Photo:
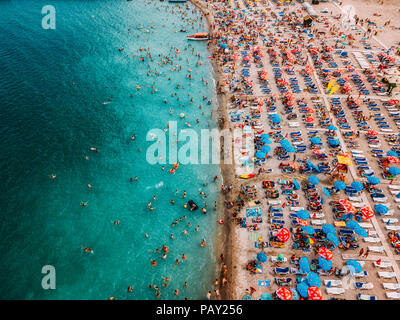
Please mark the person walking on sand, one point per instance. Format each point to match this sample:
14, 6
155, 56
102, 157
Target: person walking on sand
366, 254
361, 252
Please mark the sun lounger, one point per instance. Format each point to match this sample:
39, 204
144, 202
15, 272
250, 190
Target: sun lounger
318, 222
386, 275
390, 220
363, 285
393, 295
295, 209
332, 283
366, 297
334, 290
281, 270
274, 202
275, 259
391, 286
383, 264
366, 225
372, 240
355, 199
392, 228
394, 187
361, 274
378, 249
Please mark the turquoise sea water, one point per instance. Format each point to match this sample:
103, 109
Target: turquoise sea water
52, 87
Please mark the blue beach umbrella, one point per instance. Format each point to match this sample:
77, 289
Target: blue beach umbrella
304, 265
332, 128
392, 153
302, 214
297, 185
394, 171
351, 224
340, 185
313, 279
332, 238
328, 228
398, 195
266, 141
357, 185
326, 191
265, 149
309, 230
266, 296
290, 149
315, 140
325, 265
264, 136
334, 142
381, 209
373, 180
313, 180
361, 232
355, 265
262, 257
260, 155
276, 119
302, 289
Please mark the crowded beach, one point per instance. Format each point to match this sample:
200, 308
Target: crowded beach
315, 199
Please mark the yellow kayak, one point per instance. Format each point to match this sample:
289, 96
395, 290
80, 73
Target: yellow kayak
247, 176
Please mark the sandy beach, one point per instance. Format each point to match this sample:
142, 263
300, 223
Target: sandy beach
239, 244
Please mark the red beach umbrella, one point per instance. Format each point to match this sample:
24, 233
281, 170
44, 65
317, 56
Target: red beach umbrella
392, 159
326, 253
393, 102
283, 235
372, 132
284, 293
367, 213
302, 222
314, 293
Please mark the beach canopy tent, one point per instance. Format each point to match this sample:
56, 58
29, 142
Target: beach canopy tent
373, 180
276, 119
325, 265
313, 279
304, 265
302, 214
302, 289
339, 185
354, 266
262, 257
313, 180
357, 185
325, 253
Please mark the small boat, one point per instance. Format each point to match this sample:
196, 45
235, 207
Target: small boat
247, 176
199, 36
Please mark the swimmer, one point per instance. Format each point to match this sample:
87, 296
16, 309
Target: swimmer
146, 235
172, 236
153, 263
88, 250
184, 194
130, 288
176, 292
183, 256
53, 176
116, 223
185, 205
172, 202
164, 256
185, 232
89, 185
197, 228
84, 204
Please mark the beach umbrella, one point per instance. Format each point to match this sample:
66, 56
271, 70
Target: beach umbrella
315, 140
332, 238
283, 235
302, 289
314, 293
302, 222
381, 209
296, 185
260, 155
357, 185
339, 185
313, 279
304, 265
325, 265
351, 224
392, 153
392, 159
295, 294
326, 253
372, 132
265, 149
326, 191
313, 180
262, 257
394, 171
265, 136
266, 296
332, 128
280, 257
302, 214
309, 239
398, 195
276, 119
334, 142
367, 213
373, 180
284, 293
355, 265
361, 232
328, 228
309, 230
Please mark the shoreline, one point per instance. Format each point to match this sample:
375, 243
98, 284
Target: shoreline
225, 235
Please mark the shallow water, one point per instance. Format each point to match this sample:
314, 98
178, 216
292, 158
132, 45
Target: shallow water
52, 88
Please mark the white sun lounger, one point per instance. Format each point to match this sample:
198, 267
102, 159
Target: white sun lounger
378, 249
387, 130
316, 222
396, 200
392, 228
295, 209
333, 283
389, 213
392, 220
273, 202
372, 240
334, 290
386, 275
275, 259
357, 151
365, 286
366, 225
361, 274
372, 232
358, 204
294, 124
393, 295
394, 187
356, 199
366, 297
383, 264
391, 286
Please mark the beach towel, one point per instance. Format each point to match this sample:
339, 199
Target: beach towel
264, 283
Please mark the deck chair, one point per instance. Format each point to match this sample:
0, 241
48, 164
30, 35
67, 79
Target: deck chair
372, 240
391, 286
378, 249
383, 264
366, 297
386, 275
334, 290
393, 295
363, 285
332, 283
